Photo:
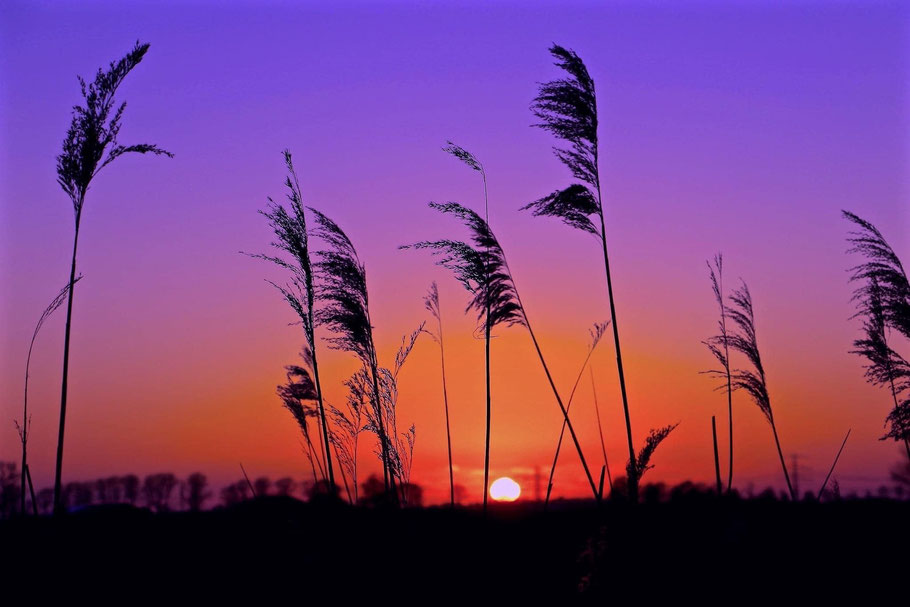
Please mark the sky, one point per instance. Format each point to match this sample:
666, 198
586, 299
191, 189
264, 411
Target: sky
741, 128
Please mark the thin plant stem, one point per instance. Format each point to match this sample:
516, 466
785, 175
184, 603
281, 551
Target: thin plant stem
716, 458
563, 429
833, 464
600, 430
252, 489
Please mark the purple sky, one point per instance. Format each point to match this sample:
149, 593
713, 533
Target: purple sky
736, 127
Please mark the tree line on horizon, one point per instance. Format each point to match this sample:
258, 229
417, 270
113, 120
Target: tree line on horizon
166, 492
326, 287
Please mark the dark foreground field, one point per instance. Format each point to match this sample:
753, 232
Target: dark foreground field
703, 549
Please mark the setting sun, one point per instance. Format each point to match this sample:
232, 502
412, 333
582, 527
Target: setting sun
505, 490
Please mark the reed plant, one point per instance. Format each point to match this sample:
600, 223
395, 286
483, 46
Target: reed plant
91, 143
753, 381
25, 427
431, 303
719, 346
342, 287
596, 333
567, 108
882, 299
292, 241
481, 267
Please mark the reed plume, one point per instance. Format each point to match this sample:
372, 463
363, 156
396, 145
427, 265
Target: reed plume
90, 145
487, 289
298, 396
752, 381
400, 447
431, 303
349, 424
25, 427
567, 108
719, 346
292, 240
596, 333
883, 301
881, 265
342, 287
482, 269
643, 461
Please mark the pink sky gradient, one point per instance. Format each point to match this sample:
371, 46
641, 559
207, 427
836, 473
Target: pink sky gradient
740, 128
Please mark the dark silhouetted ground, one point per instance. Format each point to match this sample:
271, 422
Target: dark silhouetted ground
699, 548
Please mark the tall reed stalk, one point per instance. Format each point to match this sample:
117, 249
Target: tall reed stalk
26, 425
753, 381
482, 269
567, 108
596, 333
882, 299
719, 345
833, 464
600, 431
488, 319
89, 146
431, 302
292, 239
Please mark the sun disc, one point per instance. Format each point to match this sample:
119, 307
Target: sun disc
505, 490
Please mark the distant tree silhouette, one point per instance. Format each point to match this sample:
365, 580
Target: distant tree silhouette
285, 486
372, 492
78, 495
157, 489
46, 500
414, 493
9, 488
323, 492
262, 486
89, 146
900, 476
194, 492
130, 484
235, 493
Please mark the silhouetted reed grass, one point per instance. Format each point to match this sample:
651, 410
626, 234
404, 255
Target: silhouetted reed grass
596, 333
90, 145
882, 299
431, 303
25, 427
752, 381
482, 269
567, 108
719, 346
292, 239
